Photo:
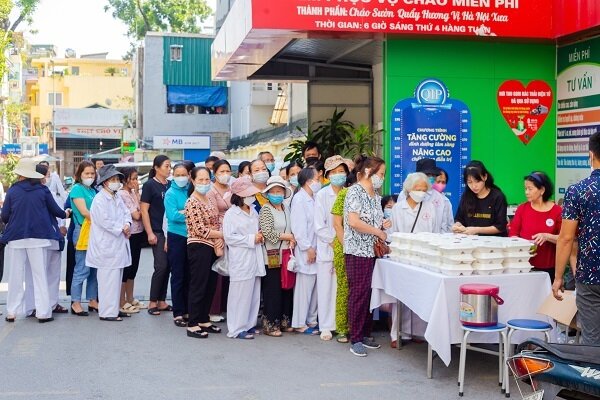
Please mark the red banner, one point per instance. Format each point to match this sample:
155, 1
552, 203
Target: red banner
502, 18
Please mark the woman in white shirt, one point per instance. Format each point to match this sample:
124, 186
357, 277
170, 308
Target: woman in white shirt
304, 318
246, 263
336, 170
412, 214
108, 248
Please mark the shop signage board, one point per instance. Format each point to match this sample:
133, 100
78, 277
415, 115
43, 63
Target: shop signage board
430, 125
525, 108
105, 132
578, 110
502, 18
182, 142
11, 148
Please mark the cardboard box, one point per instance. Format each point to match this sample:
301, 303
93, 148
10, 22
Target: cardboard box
564, 311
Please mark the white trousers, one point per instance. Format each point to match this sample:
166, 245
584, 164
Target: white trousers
326, 292
305, 301
243, 303
17, 260
412, 325
109, 291
53, 259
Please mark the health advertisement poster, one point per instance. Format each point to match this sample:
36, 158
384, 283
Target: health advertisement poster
431, 125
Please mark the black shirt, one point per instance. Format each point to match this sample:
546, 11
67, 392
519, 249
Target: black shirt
153, 193
489, 211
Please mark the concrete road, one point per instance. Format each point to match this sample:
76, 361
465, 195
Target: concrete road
146, 357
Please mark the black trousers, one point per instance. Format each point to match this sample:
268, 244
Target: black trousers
135, 244
160, 277
180, 279
277, 303
203, 282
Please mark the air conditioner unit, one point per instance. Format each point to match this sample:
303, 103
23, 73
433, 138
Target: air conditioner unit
191, 109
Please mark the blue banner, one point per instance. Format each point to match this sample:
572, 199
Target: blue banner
431, 125
11, 148
204, 96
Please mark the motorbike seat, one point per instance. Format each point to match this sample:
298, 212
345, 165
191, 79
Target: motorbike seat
572, 352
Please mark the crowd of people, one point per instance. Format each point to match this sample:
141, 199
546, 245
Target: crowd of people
296, 246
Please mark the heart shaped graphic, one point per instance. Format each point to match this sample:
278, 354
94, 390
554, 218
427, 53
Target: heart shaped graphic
525, 108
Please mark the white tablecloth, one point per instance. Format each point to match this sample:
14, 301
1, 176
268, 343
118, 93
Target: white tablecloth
435, 298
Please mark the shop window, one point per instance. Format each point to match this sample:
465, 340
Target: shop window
55, 99
176, 52
176, 109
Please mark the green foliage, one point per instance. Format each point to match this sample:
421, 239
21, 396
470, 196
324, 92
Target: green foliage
25, 9
111, 71
332, 134
296, 146
142, 16
7, 176
361, 141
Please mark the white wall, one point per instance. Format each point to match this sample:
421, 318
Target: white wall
156, 119
298, 101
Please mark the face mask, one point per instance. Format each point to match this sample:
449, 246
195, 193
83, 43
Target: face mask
181, 181
337, 179
275, 199
376, 181
202, 189
87, 181
431, 180
260, 177
440, 187
223, 179
294, 180
212, 177
249, 201
417, 195
387, 213
170, 177
315, 187
115, 186
271, 166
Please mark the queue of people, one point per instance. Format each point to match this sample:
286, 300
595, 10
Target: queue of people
302, 239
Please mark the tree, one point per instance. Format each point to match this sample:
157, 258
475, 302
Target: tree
25, 9
7, 168
142, 16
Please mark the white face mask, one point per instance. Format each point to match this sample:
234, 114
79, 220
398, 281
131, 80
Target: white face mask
181, 181
115, 186
249, 201
315, 187
376, 181
223, 179
87, 181
417, 195
260, 177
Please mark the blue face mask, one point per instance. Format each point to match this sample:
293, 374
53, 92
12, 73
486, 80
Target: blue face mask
337, 179
270, 166
275, 199
181, 181
294, 180
202, 189
387, 213
431, 180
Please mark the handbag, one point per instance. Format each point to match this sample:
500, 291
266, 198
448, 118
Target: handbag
380, 248
84, 235
288, 278
274, 258
221, 264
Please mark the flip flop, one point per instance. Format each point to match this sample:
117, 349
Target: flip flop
245, 335
111, 319
60, 309
154, 311
168, 308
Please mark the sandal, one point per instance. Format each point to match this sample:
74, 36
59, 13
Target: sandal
180, 322
129, 309
273, 333
245, 335
198, 334
326, 335
167, 308
124, 315
154, 311
341, 338
9, 318
210, 328
139, 304
59, 309
253, 331
31, 314
111, 319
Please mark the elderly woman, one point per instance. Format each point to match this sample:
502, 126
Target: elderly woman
412, 215
30, 213
108, 248
275, 225
246, 263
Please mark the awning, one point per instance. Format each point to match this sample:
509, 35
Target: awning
203, 96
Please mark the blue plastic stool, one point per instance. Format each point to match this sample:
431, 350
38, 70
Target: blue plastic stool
502, 354
528, 325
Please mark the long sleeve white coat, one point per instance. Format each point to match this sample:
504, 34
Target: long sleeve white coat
108, 248
303, 228
245, 257
324, 230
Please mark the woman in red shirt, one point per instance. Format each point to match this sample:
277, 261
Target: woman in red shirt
539, 220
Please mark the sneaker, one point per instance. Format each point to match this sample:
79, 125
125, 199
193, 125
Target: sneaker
358, 349
369, 343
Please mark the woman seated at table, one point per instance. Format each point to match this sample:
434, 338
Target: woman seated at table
412, 215
539, 220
